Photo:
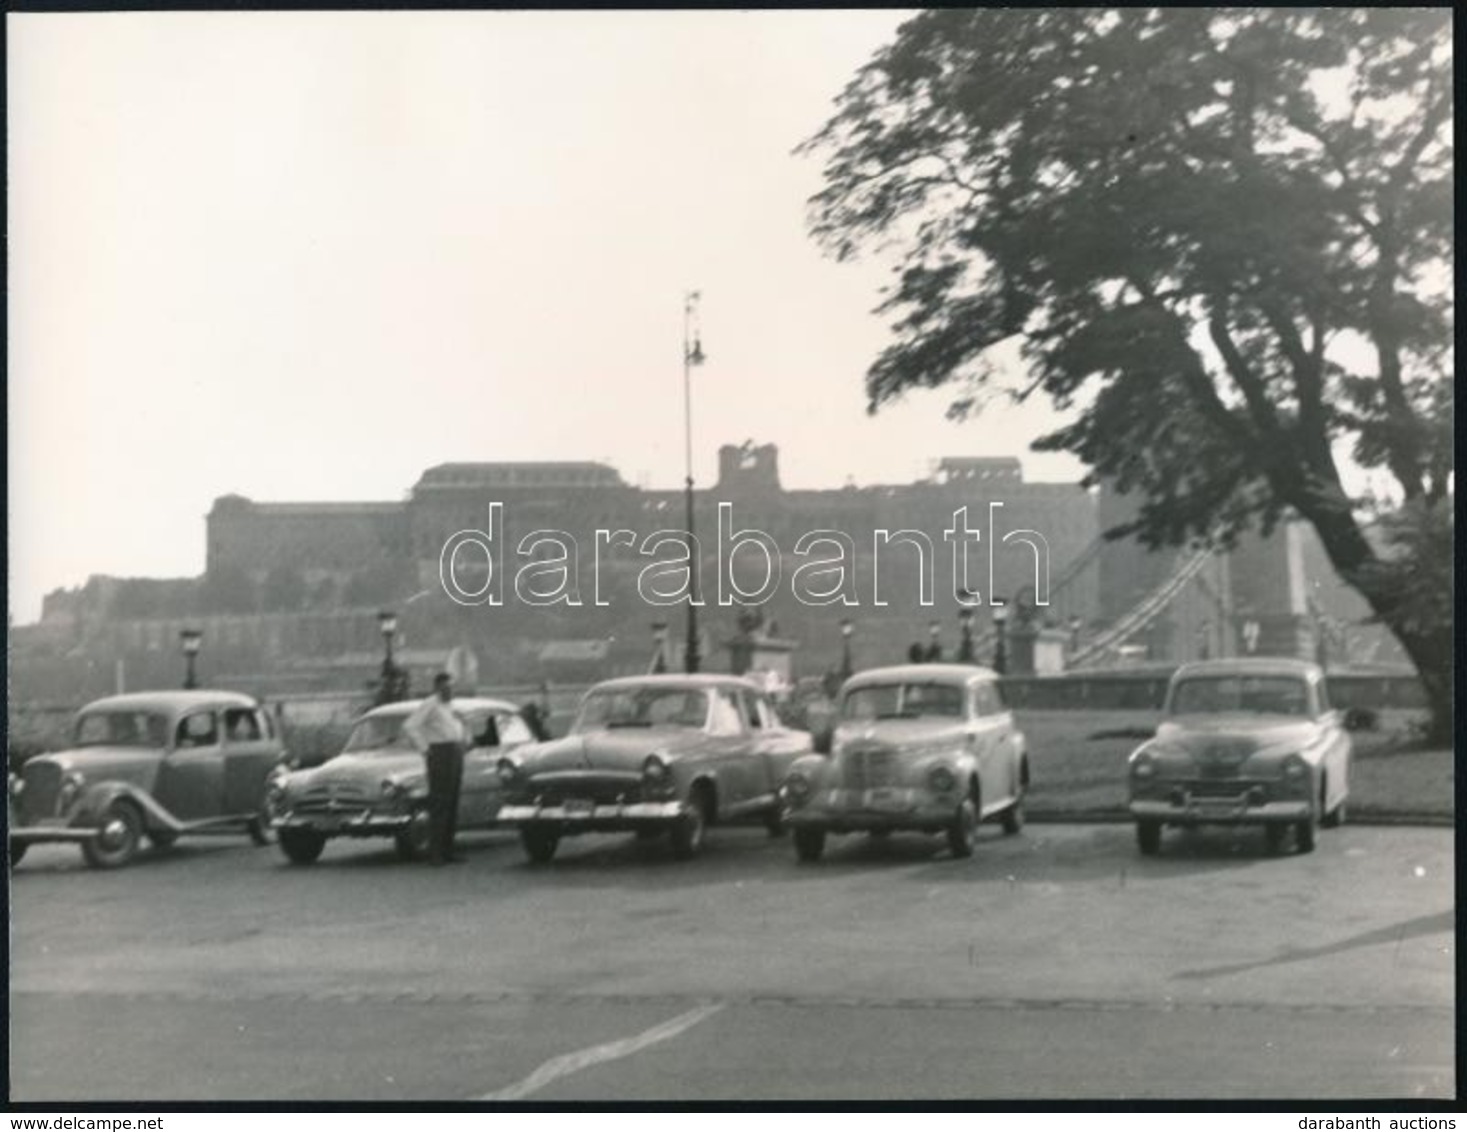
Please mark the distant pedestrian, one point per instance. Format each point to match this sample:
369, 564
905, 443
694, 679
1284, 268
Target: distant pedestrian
535, 720
436, 730
916, 654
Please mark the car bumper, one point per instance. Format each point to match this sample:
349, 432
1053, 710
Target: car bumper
36, 834
345, 825
842, 811
610, 818
1221, 811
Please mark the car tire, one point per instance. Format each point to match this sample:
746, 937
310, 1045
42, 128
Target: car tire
301, 846
162, 839
17, 852
1305, 832
540, 843
809, 843
1273, 838
1148, 837
1013, 817
413, 842
117, 843
689, 831
964, 829
774, 823
260, 830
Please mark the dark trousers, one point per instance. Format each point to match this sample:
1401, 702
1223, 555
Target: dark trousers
445, 775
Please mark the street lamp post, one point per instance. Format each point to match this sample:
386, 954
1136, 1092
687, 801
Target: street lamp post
965, 628
692, 356
659, 645
1000, 644
387, 623
191, 640
847, 627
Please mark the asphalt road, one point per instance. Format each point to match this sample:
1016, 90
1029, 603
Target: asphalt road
1055, 964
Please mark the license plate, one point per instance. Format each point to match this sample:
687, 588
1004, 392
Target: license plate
884, 799
578, 807
1226, 807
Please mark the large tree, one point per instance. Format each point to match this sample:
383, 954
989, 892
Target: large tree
1222, 239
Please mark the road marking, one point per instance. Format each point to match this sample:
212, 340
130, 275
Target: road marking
569, 1063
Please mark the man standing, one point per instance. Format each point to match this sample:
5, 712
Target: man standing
437, 731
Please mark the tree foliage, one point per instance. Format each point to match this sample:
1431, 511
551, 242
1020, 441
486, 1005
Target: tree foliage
1222, 237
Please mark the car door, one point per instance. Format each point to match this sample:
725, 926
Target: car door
191, 779
775, 745
1337, 744
249, 755
991, 742
729, 752
489, 733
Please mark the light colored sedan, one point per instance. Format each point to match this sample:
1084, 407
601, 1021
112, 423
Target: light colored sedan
1243, 741
926, 747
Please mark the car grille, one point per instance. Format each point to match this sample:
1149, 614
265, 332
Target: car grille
553, 789
335, 798
42, 785
1228, 788
867, 767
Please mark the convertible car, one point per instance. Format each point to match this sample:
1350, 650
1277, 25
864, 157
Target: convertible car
1244, 741
927, 747
654, 755
377, 786
150, 764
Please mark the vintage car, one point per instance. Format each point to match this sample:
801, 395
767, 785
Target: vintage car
377, 786
148, 764
927, 747
653, 755
1244, 741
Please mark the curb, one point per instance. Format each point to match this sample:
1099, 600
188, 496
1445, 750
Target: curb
1121, 817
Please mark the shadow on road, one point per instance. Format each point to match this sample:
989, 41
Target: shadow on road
1393, 933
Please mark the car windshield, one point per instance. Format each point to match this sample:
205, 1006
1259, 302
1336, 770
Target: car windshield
1262, 695
122, 729
378, 733
910, 700
643, 707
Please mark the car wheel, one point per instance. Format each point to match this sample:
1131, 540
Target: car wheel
809, 843
540, 843
117, 841
1013, 817
964, 829
1304, 833
1273, 837
261, 832
302, 846
1148, 837
689, 830
17, 851
412, 843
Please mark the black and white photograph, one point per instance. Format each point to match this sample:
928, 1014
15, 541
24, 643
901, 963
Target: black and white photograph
718, 558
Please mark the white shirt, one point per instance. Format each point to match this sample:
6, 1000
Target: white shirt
434, 721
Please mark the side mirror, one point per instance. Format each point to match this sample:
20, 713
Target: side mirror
1361, 719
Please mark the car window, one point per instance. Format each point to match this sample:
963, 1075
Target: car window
1262, 695
761, 715
725, 719
483, 730
985, 699
198, 729
121, 729
378, 733
241, 726
911, 700
1322, 691
643, 707
513, 729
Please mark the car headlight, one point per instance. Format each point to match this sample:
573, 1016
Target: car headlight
1295, 768
507, 769
1143, 766
16, 785
796, 788
392, 789
70, 787
655, 770
941, 779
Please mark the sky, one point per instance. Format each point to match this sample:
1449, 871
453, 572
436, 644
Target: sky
305, 256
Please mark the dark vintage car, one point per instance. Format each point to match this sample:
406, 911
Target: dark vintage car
653, 755
149, 764
1243, 741
377, 786
923, 747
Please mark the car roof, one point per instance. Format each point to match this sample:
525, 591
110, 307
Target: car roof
925, 673
172, 701
1249, 666
680, 680
461, 703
